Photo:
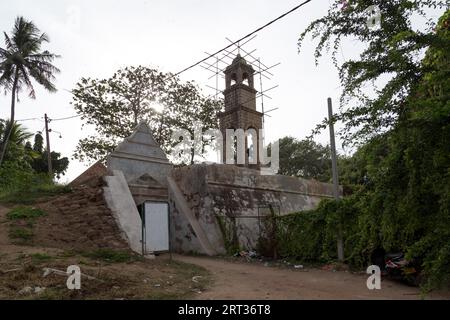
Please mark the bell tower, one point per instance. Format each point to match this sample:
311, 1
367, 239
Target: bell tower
240, 108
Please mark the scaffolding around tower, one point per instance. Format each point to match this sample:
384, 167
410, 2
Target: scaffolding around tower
217, 64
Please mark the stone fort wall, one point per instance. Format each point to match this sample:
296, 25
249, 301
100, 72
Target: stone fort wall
234, 196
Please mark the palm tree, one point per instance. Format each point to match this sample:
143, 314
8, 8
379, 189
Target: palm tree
18, 135
21, 61
17, 149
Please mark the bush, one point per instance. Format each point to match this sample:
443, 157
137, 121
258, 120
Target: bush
27, 187
311, 236
14, 175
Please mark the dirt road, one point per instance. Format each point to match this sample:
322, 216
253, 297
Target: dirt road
241, 280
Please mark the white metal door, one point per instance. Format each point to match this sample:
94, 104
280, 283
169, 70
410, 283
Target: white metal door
156, 226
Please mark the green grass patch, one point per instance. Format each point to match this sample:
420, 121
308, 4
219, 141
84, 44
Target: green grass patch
31, 196
21, 234
36, 187
25, 213
113, 256
40, 257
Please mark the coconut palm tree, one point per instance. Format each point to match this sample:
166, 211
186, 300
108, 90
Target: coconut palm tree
22, 60
18, 135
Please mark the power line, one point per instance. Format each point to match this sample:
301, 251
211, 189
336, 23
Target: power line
65, 118
50, 119
29, 119
245, 37
208, 57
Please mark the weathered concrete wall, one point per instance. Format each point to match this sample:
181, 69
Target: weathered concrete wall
209, 204
145, 188
187, 220
223, 195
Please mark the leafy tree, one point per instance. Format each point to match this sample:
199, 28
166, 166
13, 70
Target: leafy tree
40, 163
20, 61
38, 145
403, 169
304, 158
394, 51
115, 106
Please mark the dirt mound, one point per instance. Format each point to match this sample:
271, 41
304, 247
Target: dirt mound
41, 276
78, 220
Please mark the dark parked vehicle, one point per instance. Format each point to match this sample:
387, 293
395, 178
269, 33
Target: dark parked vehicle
395, 266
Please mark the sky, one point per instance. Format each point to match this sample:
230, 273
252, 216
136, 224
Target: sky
95, 38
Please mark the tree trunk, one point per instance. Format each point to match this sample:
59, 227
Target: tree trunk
9, 128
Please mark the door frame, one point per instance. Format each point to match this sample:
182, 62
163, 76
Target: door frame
143, 229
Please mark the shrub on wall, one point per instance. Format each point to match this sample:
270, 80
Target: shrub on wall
310, 236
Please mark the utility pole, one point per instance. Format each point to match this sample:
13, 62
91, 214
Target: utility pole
49, 156
340, 242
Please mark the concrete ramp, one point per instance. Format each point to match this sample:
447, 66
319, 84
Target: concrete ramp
123, 208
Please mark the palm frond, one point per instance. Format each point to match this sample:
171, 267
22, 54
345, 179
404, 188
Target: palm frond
19, 134
44, 56
23, 53
9, 43
26, 79
7, 71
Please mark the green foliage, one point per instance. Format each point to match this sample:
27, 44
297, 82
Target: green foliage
311, 236
14, 175
18, 229
16, 167
39, 162
390, 64
22, 234
227, 227
25, 213
310, 160
402, 203
401, 174
28, 187
18, 135
115, 106
20, 180
40, 257
304, 158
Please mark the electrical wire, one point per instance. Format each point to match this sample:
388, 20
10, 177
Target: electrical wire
244, 37
29, 119
66, 118
209, 56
